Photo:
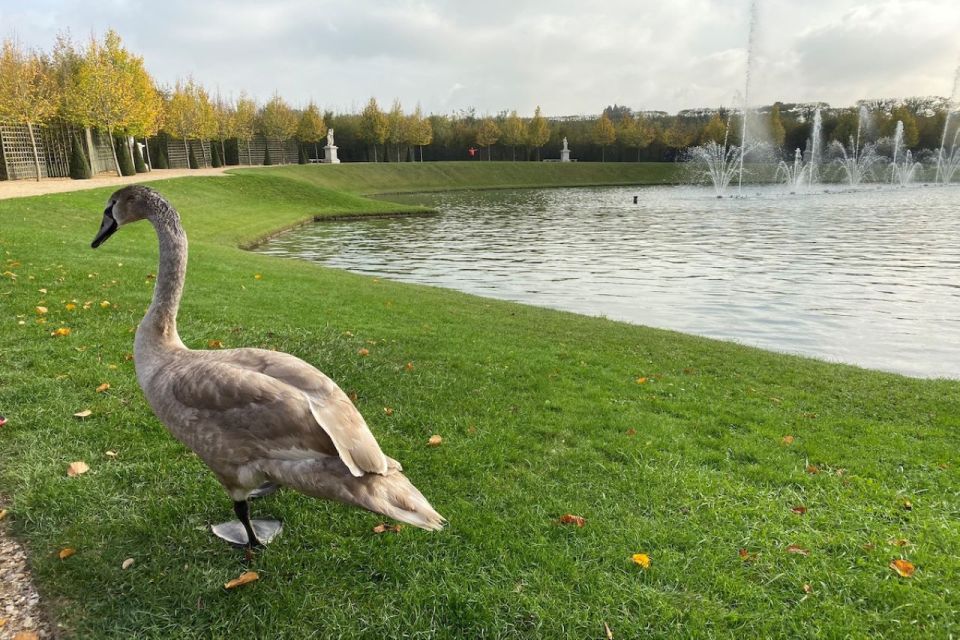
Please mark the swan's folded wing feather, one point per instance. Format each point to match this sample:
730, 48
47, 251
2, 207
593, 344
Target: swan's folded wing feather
328, 404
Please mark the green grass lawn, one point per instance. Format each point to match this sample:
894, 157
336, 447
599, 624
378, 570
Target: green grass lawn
542, 413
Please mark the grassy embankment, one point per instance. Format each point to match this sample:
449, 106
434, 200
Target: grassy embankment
542, 413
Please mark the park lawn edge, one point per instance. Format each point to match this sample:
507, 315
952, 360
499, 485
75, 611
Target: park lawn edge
549, 394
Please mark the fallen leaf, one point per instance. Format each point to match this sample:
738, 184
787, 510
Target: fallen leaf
127, 357
3, 514
642, 380
110, 454
26, 635
70, 306
641, 559
77, 468
812, 469
104, 304
799, 509
869, 546
606, 628
353, 397
898, 542
383, 527
62, 331
434, 441
408, 366
903, 568
83, 414
745, 555
631, 431
244, 578
214, 344
907, 505
3, 421
787, 439
807, 588
388, 411
363, 351
127, 564
103, 387
66, 552
42, 290
569, 518
257, 276
776, 400
41, 310
793, 548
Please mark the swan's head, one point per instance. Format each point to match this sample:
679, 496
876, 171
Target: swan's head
129, 204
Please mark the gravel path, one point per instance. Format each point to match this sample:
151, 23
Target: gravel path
20, 614
21, 188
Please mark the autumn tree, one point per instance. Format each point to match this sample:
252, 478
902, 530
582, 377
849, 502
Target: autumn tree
488, 134
277, 120
190, 114
223, 112
311, 128
538, 131
373, 126
911, 132
28, 91
419, 130
678, 136
514, 133
635, 132
604, 134
396, 126
714, 131
243, 124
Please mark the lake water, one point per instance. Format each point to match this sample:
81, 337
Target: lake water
867, 277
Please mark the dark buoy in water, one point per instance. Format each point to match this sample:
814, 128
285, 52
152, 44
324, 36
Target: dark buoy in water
635, 199
719, 197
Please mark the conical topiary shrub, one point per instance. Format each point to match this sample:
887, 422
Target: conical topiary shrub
303, 154
123, 157
138, 162
215, 159
160, 158
192, 159
79, 165
266, 156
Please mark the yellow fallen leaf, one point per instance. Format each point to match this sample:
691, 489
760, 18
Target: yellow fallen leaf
26, 635
70, 306
41, 310
903, 568
642, 380
787, 439
214, 344
83, 414
42, 290
907, 505
383, 527
569, 518
408, 366
127, 564
77, 468
434, 441
899, 542
103, 387
388, 411
606, 628
363, 351
3, 514
62, 331
257, 276
104, 304
807, 589
244, 578
641, 559
66, 552
110, 454
812, 469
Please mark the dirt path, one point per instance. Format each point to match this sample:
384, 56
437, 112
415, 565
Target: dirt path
20, 612
22, 188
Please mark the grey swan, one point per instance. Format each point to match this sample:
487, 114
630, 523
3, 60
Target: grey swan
254, 416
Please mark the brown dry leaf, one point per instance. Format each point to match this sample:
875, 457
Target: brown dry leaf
103, 387
631, 431
799, 509
77, 468
383, 527
569, 518
898, 542
807, 589
408, 366
110, 454
26, 635
363, 351
794, 548
641, 559
642, 380
745, 555
388, 411
812, 469
214, 344
3, 621
3, 514
62, 331
903, 568
787, 439
66, 552
83, 414
41, 310
434, 441
242, 579
127, 563
353, 397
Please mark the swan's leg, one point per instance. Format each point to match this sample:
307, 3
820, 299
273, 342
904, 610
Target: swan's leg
242, 509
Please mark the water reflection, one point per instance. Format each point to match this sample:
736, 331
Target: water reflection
867, 277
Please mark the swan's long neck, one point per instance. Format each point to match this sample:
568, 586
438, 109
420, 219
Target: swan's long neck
159, 325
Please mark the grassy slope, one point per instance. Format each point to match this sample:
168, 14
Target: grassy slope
431, 176
536, 408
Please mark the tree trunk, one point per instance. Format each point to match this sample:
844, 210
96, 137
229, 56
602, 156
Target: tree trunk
146, 145
603, 154
223, 152
94, 160
638, 154
36, 156
514, 153
374, 152
316, 151
186, 147
113, 148
421, 153
249, 157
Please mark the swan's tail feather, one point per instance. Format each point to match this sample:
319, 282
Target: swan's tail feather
392, 494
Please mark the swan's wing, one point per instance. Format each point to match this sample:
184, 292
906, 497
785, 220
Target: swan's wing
328, 404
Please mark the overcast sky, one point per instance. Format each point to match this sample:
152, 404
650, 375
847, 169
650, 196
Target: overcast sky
571, 57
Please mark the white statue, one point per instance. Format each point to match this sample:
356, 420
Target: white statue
329, 137
565, 144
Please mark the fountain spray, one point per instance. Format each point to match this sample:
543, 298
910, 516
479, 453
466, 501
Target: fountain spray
946, 122
751, 42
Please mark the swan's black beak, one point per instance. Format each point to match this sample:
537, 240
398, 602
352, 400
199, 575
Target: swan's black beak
107, 227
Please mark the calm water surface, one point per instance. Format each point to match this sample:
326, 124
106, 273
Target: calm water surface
869, 277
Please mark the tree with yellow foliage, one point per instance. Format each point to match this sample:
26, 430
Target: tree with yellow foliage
277, 120
373, 126
538, 131
488, 134
190, 113
604, 134
419, 130
244, 122
28, 91
311, 128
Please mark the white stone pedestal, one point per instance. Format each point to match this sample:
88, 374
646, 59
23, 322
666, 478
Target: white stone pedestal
330, 154
564, 155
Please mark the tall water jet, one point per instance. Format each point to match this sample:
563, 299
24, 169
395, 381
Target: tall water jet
856, 161
944, 159
719, 162
902, 168
795, 175
751, 44
814, 150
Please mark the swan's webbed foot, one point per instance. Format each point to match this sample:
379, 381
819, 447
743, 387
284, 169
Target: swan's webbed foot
244, 532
